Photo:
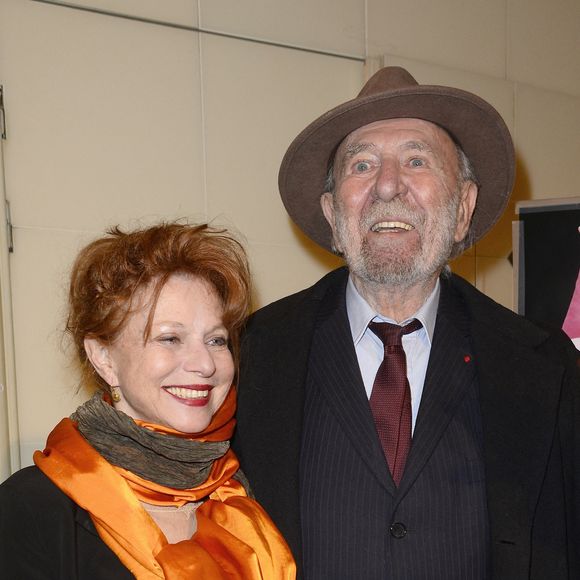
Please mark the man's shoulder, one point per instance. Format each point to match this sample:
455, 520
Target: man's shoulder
299, 304
496, 318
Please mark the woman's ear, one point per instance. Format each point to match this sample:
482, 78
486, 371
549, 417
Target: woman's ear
100, 357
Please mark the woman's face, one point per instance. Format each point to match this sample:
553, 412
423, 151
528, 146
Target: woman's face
181, 375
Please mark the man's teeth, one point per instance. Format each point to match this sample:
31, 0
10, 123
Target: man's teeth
187, 393
384, 226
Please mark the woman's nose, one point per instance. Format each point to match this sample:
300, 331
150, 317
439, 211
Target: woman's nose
199, 360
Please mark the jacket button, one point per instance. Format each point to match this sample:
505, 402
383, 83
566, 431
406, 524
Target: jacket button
398, 530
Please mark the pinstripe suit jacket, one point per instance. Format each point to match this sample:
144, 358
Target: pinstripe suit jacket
528, 394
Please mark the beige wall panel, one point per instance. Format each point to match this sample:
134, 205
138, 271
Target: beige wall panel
100, 132
257, 99
455, 33
279, 270
182, 12
332, 25
544, 43
494, 277
548, 140
45, 378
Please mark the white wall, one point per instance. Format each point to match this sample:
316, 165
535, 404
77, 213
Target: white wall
117, 120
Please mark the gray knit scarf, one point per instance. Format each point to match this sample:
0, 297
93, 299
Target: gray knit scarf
170, 461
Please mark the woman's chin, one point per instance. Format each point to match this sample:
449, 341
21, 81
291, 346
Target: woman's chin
188, 425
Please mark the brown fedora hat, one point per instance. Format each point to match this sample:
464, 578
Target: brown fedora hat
393, 93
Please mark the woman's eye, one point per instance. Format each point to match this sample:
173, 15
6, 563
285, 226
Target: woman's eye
169, 339
218, 341
417, 162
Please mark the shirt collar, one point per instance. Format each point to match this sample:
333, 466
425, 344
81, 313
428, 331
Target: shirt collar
360, 313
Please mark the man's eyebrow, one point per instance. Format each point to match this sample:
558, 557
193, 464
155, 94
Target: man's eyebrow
417, 146
355, 148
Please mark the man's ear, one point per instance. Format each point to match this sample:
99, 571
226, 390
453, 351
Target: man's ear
465, 209
100, 357
327, 205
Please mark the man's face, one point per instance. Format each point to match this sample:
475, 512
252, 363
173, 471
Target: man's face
398, 206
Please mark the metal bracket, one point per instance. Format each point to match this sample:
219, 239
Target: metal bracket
9, 236
2, 114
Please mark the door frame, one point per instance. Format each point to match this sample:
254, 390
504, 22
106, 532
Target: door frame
9, 433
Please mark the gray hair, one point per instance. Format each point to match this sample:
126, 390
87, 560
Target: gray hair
466, 173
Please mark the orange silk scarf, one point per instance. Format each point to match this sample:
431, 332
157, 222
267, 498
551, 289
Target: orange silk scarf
235, 538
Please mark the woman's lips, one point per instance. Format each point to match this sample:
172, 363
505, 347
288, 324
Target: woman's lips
193, 395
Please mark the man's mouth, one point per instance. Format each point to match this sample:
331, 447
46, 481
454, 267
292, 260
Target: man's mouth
381, 227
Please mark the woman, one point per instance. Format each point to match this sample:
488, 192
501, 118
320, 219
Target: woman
140, 480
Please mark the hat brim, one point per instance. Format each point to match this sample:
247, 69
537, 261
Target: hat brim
471, 121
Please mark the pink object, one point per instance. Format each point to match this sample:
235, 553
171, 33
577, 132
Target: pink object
571, 324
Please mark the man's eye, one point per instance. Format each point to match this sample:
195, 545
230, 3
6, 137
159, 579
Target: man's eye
417, 162
362, 166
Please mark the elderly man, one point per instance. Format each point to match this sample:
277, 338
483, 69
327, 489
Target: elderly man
395, 422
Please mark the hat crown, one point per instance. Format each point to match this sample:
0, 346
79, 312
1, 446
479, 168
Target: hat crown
387, 79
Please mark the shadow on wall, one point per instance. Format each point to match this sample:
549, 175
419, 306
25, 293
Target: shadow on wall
497, 244
317, 263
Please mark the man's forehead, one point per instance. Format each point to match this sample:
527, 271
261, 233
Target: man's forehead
388, 126
368, 135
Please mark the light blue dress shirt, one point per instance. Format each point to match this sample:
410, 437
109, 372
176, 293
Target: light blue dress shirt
369, 348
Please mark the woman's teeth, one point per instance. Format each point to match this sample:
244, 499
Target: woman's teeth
183, 393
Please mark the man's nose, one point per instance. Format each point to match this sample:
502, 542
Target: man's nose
389, 182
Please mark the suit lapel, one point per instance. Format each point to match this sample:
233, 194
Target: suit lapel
335, 370
450, 373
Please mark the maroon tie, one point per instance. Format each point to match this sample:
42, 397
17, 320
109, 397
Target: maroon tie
391, 396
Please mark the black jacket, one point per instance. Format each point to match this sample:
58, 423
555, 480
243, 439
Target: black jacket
529, 398
46, 536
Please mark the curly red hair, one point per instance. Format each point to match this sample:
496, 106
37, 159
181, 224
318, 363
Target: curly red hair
108, 273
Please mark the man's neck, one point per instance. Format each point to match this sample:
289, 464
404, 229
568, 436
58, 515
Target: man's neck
395, 302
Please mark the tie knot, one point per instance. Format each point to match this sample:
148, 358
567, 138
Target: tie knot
390, 334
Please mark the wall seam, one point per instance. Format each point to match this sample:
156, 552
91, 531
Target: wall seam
201, 30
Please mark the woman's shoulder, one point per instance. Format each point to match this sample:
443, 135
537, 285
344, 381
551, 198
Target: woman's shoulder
31, 482
45, 535
30, 491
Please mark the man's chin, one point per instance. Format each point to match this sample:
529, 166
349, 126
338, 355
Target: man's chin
389, 273
396, 271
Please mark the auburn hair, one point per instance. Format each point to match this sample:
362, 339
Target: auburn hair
108, 274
